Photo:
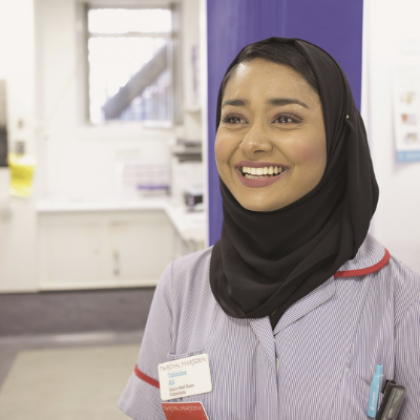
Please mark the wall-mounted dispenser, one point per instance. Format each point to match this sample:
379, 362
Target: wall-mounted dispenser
4, 170
21, 164
3, 125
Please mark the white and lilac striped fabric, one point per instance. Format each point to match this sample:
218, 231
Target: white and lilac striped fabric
318, 362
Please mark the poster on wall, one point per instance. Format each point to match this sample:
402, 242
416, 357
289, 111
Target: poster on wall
407, 112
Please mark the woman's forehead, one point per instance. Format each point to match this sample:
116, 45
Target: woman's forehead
261, 77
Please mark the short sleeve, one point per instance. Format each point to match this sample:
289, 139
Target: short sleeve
407, 363
141, 397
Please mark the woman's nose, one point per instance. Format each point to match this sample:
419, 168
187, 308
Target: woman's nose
256, 140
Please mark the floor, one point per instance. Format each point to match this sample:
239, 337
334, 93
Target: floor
74, 312
68, 355
63, 377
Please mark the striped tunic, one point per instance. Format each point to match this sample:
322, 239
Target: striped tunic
318, 362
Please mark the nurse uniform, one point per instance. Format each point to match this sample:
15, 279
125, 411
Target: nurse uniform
316, 364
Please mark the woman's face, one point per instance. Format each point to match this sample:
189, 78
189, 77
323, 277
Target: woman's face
270, 145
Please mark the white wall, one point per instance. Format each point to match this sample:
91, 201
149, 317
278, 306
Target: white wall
18, 229
397, 220
190, 39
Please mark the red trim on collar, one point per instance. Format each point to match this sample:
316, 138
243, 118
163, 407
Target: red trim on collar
367, 270
146, 378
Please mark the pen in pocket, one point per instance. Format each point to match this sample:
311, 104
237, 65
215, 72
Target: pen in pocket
375, 388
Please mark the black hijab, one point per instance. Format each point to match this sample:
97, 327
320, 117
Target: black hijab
266, 261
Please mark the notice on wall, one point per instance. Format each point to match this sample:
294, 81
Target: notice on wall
407, 112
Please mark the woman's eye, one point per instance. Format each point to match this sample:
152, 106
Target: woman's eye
285, 119
232, 119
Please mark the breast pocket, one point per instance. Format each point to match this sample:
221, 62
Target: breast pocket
353, 397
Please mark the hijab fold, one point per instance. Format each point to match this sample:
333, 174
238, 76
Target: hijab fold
266, 261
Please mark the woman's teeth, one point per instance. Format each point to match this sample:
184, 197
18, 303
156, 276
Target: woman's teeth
267, 171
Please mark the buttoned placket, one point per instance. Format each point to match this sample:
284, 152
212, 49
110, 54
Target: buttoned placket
268, 359
266, 398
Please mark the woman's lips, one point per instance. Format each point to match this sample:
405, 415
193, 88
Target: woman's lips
261, 174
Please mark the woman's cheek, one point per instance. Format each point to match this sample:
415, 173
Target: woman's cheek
222, 149
217, 148
311, 154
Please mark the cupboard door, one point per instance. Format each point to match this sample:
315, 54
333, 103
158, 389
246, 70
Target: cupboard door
141, 247
72, 254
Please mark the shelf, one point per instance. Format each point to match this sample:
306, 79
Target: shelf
63, 206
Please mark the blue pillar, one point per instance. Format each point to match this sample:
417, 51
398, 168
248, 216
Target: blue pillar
333, 25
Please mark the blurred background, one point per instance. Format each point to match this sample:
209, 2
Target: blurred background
107, 124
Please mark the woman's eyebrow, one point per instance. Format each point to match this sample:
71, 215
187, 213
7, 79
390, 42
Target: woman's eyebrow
235, 102
285, 101
273, 102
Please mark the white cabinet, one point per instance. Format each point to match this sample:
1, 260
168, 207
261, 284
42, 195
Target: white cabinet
71, 252
103, 249
142, 247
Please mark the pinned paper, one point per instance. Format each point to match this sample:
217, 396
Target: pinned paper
407, 112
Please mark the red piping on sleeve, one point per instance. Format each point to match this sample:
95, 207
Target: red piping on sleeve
367, 270
146, 378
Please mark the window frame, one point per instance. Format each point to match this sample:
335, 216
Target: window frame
174, 58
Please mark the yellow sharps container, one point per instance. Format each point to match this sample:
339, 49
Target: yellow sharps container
21, 171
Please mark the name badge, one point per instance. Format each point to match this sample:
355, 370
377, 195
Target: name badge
184, 411
185, 377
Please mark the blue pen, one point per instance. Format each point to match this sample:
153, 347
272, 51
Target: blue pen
375, 387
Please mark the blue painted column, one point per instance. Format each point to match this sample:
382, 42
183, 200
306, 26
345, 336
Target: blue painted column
231, 24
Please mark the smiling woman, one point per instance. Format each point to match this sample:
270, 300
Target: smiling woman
290, 314
283, 234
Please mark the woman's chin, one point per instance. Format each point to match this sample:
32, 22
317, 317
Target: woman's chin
259, 205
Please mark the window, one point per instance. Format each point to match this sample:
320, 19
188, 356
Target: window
129, 61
